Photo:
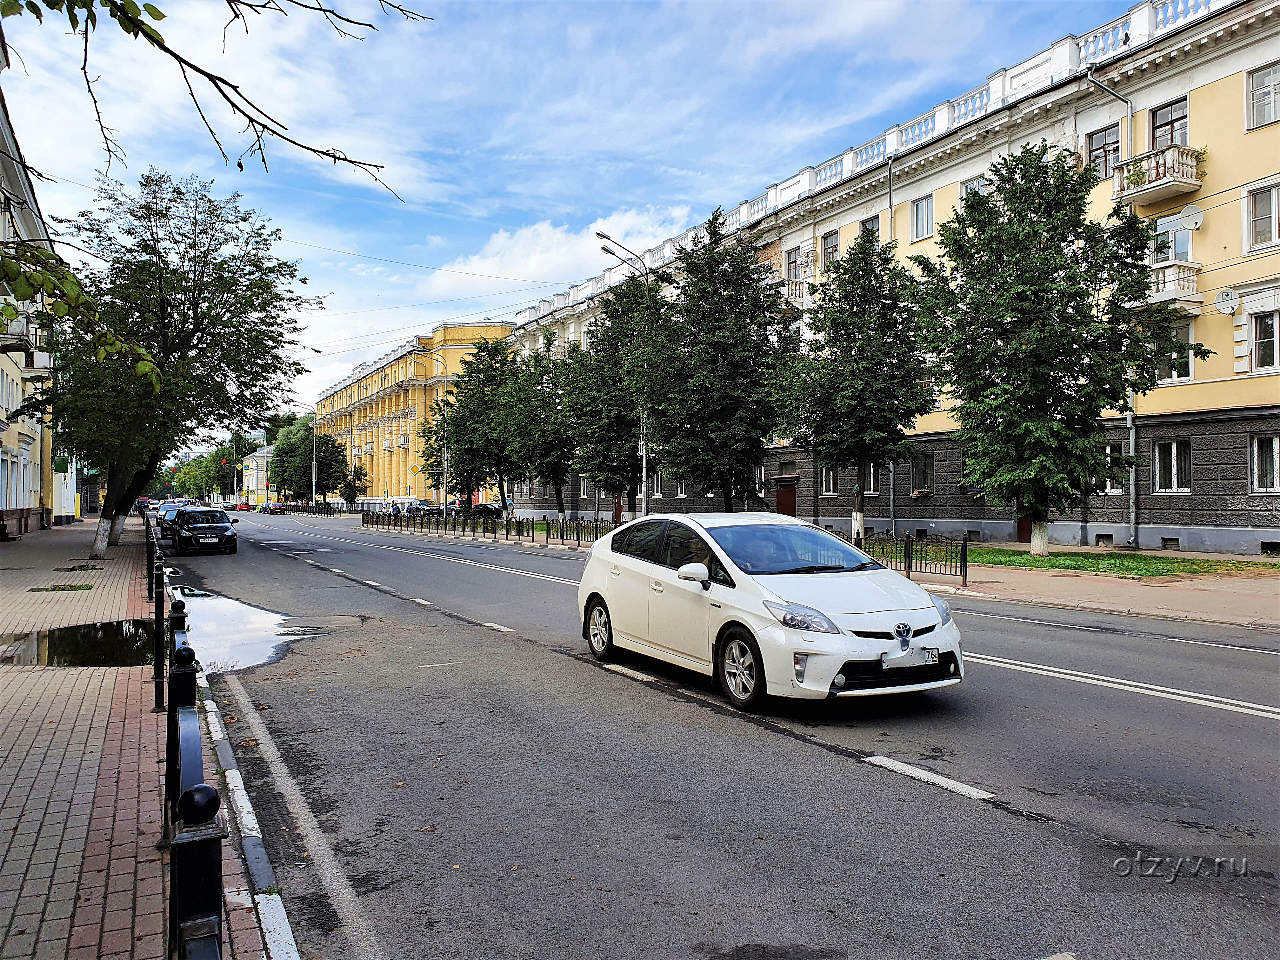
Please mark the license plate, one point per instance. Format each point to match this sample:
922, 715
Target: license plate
215, 540
930, 654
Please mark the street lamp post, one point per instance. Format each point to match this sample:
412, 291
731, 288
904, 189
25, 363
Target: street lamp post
632, 261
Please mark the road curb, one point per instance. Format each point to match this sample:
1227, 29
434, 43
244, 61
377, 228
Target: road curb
273, 921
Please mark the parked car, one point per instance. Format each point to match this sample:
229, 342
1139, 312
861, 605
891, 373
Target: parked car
243, 506
768, 604
203, 528
164, 519
486, 511
271, 508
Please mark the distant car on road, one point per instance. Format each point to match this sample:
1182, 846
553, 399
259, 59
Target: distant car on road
271, 508
243, 506
164, 519
198, 529
768, 604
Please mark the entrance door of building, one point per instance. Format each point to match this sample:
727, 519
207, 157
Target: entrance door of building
787, 495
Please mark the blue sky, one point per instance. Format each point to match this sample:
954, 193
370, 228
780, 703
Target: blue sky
512, 131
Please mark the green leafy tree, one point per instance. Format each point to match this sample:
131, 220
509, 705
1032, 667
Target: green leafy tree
195, 477
191, 278
291, 460
276, 423
608, 385
469, 437
354, 485
715, 362
859, 383
541, 433
1043, 321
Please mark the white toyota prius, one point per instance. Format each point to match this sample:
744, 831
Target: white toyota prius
769, 604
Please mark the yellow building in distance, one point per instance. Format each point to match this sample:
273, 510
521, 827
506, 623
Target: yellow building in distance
377, 412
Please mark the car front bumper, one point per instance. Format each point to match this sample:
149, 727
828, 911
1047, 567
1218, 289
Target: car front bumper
867, 667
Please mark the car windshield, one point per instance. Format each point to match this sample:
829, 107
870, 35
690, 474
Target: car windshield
204, 516
772, 548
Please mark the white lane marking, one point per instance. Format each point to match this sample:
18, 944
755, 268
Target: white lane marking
276, 932
323, 860
499, 627
1127, 633
928, 776
1225, 646
628, 672
447, 663
1131, 686
372, 583
336, 570
1043, 623
245, 817
425, 603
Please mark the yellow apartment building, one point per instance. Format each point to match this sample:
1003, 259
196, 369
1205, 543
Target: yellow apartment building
377, 412
1178, 106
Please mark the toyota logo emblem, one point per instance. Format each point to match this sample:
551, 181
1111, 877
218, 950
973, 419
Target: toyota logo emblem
903, 632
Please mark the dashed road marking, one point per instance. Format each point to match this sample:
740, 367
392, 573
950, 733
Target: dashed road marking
499, 627
928, 776
628, 672
371, 583
425, 603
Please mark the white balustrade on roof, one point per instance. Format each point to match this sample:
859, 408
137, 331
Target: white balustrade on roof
829, 172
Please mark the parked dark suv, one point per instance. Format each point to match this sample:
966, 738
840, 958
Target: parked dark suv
203, 528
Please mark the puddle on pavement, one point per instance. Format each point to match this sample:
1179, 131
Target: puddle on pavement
121, 643
229, 635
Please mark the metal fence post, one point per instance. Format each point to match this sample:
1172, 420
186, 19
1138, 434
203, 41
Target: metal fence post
158, 631
908, 553
964, 560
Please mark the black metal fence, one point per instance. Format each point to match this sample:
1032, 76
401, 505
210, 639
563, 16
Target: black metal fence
941, 556
321, 509
548, 529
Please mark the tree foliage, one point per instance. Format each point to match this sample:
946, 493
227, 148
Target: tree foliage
1042, 321
291, 460
354, 485
714, 363
541, 429
861, 380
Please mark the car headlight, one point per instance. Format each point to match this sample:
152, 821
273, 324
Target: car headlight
797, 616
944, 609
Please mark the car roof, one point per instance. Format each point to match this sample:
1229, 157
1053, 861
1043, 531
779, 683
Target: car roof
709, 520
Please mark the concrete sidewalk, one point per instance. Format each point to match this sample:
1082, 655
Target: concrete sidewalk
1249, 601
81, 769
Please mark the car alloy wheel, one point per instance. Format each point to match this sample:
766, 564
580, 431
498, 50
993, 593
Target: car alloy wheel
741, 671
599, 630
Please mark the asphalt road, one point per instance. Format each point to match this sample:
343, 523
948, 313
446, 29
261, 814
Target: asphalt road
487, 789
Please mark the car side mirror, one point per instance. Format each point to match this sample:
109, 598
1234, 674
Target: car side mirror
235, 519
697, 572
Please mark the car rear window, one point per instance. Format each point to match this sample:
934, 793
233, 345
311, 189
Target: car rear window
204, 516
643, 541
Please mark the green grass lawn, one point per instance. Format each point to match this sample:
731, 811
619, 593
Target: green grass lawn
1131, 564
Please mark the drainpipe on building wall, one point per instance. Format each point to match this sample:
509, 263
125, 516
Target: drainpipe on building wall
1133, 447
893, 520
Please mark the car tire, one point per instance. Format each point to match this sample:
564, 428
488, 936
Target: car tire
599, 630
740, 670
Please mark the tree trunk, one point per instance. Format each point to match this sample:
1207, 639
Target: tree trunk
502, 491
631, 499
860, 503
100, 537
726, 489
817, 484
117, 528
1039, 538
559, 488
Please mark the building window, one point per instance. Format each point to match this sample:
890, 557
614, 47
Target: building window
1266, 464
1169, 125
795, 287
1172, 466
873, 480
1171, 243
1179, 365
830, 247
1266, 340
1104, 150
680, 489
1115, 452
830, 481
976, 185
1262, 216
1264, 92
655, 485
922, 218
922, 472
760, 481
871, 225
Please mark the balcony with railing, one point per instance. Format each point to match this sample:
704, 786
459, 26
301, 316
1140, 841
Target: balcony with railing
1156, 175
1176, 281
15, 335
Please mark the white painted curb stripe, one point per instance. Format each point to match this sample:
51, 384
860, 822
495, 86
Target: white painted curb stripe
425, 603
498, 626
372, 583
928, 776
211, 716
1131, 686
276, 932
628, 672
245, 817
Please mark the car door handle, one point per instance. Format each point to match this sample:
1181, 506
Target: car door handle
614, 571
657, 587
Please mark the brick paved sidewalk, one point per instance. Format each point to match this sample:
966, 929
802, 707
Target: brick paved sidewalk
117, 591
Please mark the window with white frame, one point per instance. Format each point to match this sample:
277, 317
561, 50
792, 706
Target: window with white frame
830, 247
1171, 466
922, 218
873, 480
1266, 340
1115, 454
922, 472
1261, 211
1266, 464
1169, 125
760, 485
871, 225
830, 482
1179, 365
1172, 243
1264, 96
680, 489
655, 485
976, 185
1104, 150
